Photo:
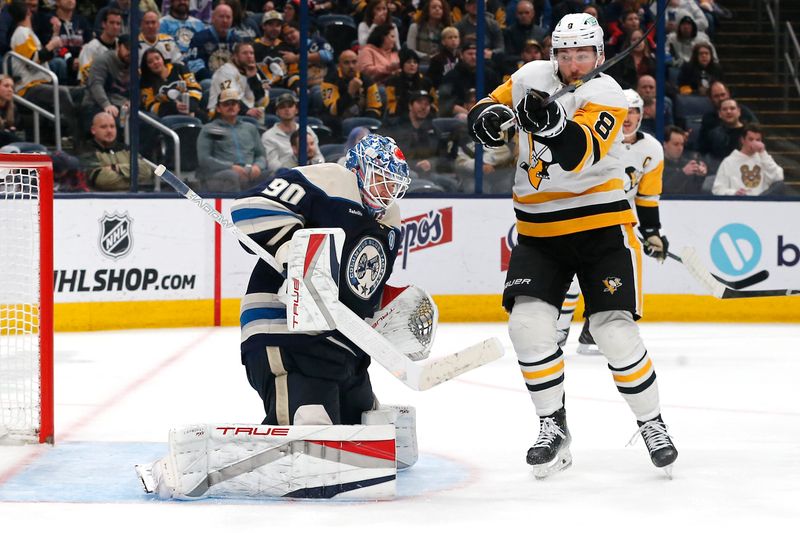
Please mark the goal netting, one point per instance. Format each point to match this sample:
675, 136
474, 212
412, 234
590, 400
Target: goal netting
26, 298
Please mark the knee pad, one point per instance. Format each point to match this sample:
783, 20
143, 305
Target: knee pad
617, 335
312, 415
532, 328
404, 419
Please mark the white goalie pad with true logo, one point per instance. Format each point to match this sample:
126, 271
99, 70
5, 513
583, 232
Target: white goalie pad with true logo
251, 461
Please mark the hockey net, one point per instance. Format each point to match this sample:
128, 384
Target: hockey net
26, 298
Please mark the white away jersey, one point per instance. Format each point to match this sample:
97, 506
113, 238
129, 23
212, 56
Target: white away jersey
643, 162
549, 200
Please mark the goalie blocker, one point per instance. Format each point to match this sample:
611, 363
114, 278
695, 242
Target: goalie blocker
357, 462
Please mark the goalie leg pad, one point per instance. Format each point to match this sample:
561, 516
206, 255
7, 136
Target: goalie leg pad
238, 461
532, 328
404, 419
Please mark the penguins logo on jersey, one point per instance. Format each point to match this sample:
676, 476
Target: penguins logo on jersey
366, 267
537, 168
612, 284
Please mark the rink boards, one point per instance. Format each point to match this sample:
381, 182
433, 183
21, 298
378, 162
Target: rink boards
127, 263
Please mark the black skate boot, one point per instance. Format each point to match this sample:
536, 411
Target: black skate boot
586, 344
561, 336
659, 444
550, 453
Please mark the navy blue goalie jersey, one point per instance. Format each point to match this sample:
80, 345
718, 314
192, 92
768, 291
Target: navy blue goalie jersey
316, 196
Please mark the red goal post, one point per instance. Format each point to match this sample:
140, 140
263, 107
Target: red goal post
26, 298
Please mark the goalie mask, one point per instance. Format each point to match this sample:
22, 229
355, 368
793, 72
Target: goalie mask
382, 171
575, 31
634, 101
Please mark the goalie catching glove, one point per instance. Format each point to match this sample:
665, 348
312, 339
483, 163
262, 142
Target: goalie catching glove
536, 118
408, 319
655, 244
487, 128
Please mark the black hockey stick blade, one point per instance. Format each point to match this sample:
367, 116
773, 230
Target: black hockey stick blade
749, 281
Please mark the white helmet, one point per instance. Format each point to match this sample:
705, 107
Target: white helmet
576, 30
634, 100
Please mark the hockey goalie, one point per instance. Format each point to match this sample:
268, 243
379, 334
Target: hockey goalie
324, 434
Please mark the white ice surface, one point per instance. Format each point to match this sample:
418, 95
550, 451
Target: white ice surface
730, 396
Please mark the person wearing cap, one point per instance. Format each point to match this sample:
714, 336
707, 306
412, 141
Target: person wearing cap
211, 47
454, 91
179, 24
531, 51
108, 83
524, 29
493, 35
445, 61
107, 40
408, 81
106, 161
277, 140
266, 45
230, 154
242, 74
348, 93
414, 132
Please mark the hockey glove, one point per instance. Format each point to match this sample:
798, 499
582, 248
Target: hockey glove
486, 128
535, 118
655, 244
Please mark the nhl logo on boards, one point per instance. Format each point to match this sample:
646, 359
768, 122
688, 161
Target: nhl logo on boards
366, 267
612, 284
116, 239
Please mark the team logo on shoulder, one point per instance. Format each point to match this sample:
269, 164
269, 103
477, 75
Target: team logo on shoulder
612, 284
366, 267
391, 239
115, 235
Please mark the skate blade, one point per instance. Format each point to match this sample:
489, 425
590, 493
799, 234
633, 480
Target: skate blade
145, 473
668, 471
589, 349
562, 461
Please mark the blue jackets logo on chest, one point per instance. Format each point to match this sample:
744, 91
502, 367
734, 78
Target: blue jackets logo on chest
366, 267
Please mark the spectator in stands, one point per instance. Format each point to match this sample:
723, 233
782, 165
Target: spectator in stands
524, 29
348, 93
458, 85
123, 6
267, 47
720, 141
75, 31
107, 40
376, 14
180, 25
245, 29
696, 76
242, 74
276, 141
750, 170
151, 38
498, 167
40, 23
408, 81
230, 154
493, 35
718, 93
446, 59
683, 174
108, 83
320, 56
9, 118
211, 48
425, 34
640, 62
415, 134
677, 9
680, 43
200, 9
646, 87
620, 32
290, 11
169, 88
378, 59
313, 155
34, 84
107, 162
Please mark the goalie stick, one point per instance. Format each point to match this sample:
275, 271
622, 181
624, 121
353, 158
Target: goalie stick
416, 376
572, 86
716, 287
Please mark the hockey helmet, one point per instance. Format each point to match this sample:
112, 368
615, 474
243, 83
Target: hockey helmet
382, 172
574, 31
635, 101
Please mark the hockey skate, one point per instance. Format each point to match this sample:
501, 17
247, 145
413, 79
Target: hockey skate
659, 443
561, 336
586, 344
550, 453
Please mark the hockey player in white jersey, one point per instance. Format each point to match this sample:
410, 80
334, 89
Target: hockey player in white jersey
643, 161
573, 217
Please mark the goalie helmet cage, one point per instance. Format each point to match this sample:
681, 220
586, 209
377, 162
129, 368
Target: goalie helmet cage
26, 298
